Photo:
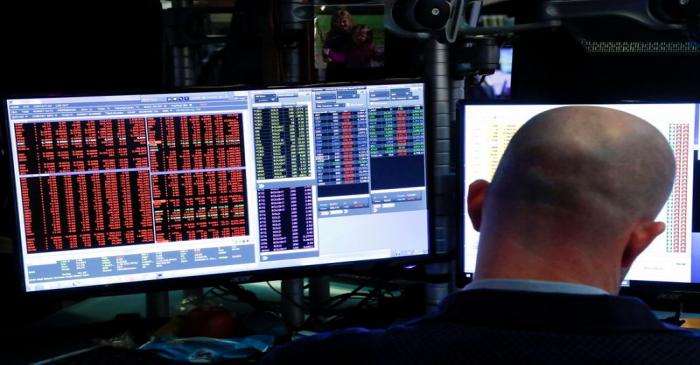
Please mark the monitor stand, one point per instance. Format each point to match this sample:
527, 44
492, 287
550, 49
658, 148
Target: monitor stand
293, 298
158, 305
319, 292
293, 301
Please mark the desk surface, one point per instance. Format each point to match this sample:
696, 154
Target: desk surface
78, 325
95, 311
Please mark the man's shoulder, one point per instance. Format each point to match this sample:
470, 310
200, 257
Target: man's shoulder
502, 327
451, 343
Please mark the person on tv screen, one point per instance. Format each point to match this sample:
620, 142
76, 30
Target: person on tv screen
573, 202
338, 41
363, 50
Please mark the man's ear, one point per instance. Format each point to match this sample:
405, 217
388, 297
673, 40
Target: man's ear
475, 201
640, 238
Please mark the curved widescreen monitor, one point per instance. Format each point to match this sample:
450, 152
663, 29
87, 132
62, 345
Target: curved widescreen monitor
133, 188
674, 256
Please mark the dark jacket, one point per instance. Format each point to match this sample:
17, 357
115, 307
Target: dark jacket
509, 327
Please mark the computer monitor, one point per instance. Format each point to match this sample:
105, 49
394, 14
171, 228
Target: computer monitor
125, 189
674, 257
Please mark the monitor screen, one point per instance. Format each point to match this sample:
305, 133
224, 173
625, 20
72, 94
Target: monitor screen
674, 256
130, 188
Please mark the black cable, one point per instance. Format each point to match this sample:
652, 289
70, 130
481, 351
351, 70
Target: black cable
328, 309
328, 304
273, 288
373, 292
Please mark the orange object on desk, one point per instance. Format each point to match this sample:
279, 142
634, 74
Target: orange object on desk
208, 322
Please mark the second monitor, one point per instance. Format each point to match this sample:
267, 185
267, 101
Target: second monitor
674, 256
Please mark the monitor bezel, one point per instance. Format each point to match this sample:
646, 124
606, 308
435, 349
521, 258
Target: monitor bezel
208, 280
462, 277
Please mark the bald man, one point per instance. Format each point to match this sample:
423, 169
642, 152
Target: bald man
574, 198
571, 205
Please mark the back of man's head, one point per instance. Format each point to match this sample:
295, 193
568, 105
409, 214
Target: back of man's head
576, 182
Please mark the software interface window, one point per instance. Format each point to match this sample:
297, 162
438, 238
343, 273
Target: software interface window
114, 189
489, 128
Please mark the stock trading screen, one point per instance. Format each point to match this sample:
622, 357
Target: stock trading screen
677, 206
198, 177
286, 219
75, 177
125, 188
282, 142
396, 131
670, 257
342, 155
397, 144
282, 153
200, 205
100, 183
196, 142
